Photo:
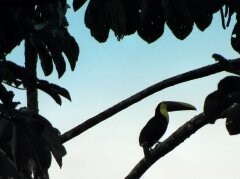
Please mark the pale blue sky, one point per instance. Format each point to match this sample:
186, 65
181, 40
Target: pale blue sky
110, 72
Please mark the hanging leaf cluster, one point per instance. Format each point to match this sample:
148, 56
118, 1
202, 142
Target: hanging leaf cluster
45, 25
148, 17
27, 143
218, 102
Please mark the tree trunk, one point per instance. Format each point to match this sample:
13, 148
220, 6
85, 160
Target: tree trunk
31, 66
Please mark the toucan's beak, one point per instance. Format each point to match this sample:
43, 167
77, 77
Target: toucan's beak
178, 106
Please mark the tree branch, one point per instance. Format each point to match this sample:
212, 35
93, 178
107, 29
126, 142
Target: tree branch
31, 66
179, 136
168, 145
191, 75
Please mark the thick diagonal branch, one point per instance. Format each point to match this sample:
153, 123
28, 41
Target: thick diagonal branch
168, 145
188, 76
179, 136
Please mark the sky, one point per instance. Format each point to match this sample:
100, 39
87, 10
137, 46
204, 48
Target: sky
107, 73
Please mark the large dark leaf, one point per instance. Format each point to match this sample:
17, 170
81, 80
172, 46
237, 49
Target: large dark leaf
71, 50
53, 90
229, 84
178, 17
46, 59
10, 30
214, 105
61, 91
131, 9
50, 139
26, 143
199, 13
60, 64
152, 20
116, 17
45, 86
51, 136
96, 20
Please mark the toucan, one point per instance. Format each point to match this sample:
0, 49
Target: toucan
157, 125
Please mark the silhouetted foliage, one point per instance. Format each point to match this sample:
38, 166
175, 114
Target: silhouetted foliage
148, 17
220, 100
27, 140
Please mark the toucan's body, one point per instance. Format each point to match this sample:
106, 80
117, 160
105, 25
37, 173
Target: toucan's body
157, 125
153, 131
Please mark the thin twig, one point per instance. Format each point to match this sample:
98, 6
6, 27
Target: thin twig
191, 75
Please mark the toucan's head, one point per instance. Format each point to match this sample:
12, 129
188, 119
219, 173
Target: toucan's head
168, 106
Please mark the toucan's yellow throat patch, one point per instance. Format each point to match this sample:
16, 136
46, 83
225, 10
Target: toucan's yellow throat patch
163, 110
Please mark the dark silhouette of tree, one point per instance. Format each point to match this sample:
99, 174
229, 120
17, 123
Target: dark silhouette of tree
28, 140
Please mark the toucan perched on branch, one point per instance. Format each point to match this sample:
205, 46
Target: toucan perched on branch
157, 125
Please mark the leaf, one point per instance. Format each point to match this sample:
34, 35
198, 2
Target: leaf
235, 39
116, 17
70, 49
10, 34
45, 158
46, 59
229, 84
32, 155
7, 169
218, 101
25, 148
53, 90
214, 105
77, 4
199, 13
52, 138
132, 15
62, 91
178, 18
96, 20
56, 50
60, 64
152, 21
233, 121
44, 86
